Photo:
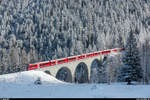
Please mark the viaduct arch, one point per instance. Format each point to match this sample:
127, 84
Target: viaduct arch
69, 71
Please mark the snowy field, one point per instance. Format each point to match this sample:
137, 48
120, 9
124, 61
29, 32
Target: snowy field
21, 85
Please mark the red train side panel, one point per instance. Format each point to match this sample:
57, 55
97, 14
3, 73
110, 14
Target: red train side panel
62, 61
45, 64
87, 55
102, 52
71, 59
53, 63
114, 50
33, 66
96, 53
81, 57
107, 51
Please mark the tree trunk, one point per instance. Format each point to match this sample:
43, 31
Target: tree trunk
129, 82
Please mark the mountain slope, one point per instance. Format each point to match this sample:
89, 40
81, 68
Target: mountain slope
39, 30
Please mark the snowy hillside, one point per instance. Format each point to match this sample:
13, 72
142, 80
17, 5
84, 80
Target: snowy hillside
21, 85
28, 77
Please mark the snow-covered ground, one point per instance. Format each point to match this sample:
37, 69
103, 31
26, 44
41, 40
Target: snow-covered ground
21, 85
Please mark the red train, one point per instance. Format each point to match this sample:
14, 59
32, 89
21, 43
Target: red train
70, 59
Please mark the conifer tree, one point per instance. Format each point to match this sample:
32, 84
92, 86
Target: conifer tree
131, 69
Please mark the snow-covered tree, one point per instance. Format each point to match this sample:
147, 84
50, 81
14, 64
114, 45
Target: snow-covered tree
131, 68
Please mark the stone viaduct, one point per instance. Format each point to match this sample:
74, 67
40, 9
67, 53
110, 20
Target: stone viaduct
77, 70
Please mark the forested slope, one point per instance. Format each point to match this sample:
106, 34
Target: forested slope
38, 30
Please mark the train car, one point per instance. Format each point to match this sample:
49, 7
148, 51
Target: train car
39, 65
102, 52
45, 64
53, 62
32, 66
72, 58
81, 56
117, 50
60, 61
107, 51
89, 55
96, 53
114, 50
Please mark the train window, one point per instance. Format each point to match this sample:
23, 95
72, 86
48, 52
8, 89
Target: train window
44, 64
81, 57
105, 52
96, 54
71, 58
33, 65
61, 60
114, 50
108, 51
102, 52
99, 53
88, 55
53, 62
